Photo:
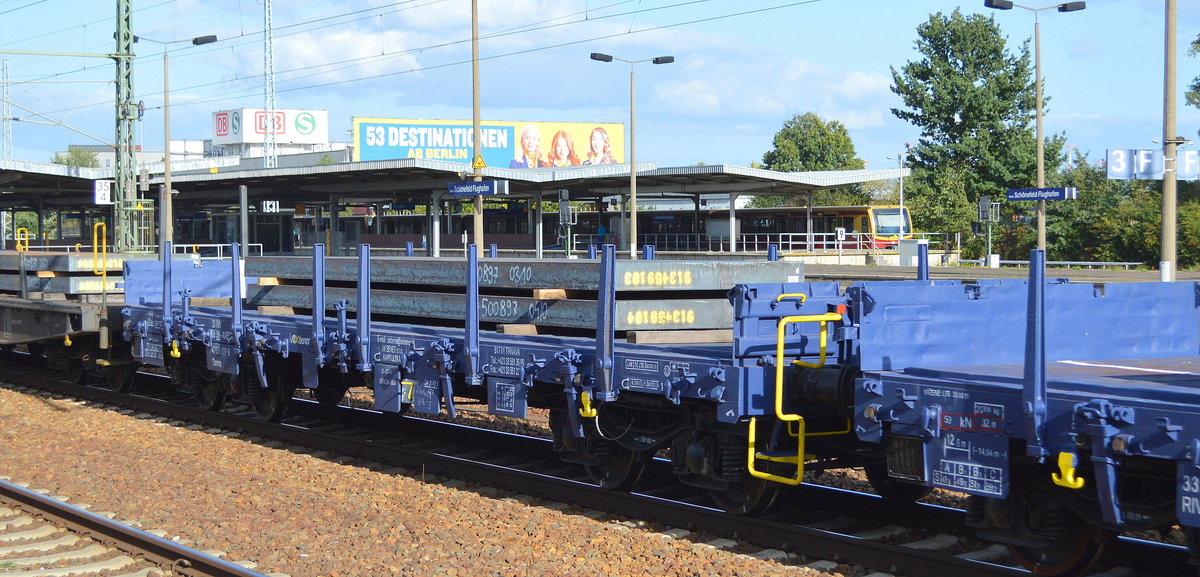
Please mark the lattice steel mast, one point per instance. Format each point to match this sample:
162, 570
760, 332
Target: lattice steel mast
269, 151
6, 120
125, 230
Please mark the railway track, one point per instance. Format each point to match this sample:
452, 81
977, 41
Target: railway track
814, 526
42, 536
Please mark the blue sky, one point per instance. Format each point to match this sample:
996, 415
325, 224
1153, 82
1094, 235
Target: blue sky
742, 68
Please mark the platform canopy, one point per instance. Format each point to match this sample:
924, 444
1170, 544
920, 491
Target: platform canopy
50, 186
25, 184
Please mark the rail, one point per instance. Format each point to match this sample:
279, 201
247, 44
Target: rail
164, 552
449, 462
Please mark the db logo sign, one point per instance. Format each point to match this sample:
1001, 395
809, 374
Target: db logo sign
223, 124
275, 125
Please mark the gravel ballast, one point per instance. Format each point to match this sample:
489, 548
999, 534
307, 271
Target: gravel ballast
319, 515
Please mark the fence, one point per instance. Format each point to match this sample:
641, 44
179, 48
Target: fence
786, 242
1062, 263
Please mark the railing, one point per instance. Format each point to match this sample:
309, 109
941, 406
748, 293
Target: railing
77, 247
1060, 263
684, 242
216, 251
786, 242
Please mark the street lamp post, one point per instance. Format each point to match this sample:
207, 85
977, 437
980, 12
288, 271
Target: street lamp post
1037, 58
166, 210
476, 135
900, 160
1168, 233
633, 251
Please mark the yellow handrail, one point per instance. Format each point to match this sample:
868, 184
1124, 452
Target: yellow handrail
752, 454
100, 251
22, 236
100, 260
784, 322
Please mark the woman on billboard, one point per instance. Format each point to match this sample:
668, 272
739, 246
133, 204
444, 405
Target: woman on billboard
531, 149
562, 150
599, 148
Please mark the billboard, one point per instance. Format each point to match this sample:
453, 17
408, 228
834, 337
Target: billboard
502, 144
249, 126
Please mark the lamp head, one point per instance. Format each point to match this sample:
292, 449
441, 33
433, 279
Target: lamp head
998, 4
1071, 6
200, 40
601, 57
663, 60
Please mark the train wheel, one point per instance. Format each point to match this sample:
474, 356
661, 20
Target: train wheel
1076, 545
209, 387
328, 396
119, 379
890, 489
609, 465
333, 385
73, 371
270, 401
37, 352
1191, 537
622, 468
750, 497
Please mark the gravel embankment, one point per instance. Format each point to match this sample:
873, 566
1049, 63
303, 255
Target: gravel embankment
318, 515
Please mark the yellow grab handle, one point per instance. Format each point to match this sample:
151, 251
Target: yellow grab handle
587, 411
1066, 465
803, 297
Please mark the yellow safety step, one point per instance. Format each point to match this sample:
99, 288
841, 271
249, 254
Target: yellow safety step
798, 458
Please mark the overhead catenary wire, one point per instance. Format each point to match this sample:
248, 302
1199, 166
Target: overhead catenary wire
580, 17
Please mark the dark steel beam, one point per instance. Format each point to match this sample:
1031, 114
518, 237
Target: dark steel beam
575, 274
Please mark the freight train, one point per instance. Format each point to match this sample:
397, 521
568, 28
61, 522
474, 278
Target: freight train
1067, 412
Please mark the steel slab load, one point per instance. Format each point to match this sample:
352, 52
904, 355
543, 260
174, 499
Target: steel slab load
71, 285
631, 315
67, 262
572, 274
68, 273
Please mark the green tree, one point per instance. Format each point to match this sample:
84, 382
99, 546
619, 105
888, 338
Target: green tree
805, 143
973, 102
76, 157
1193, 93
